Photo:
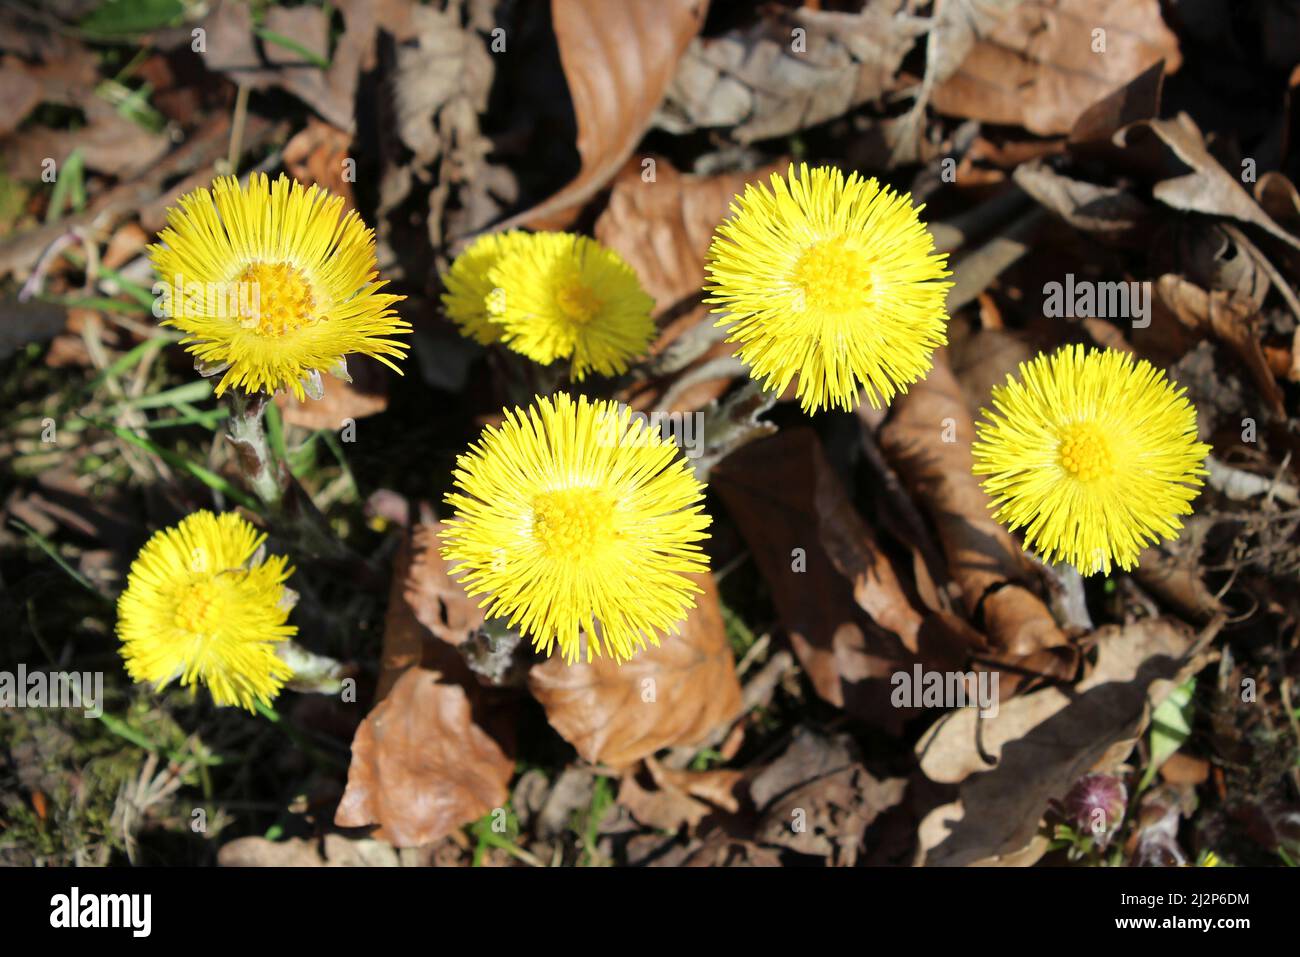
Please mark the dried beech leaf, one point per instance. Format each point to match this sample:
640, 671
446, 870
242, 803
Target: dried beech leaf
679, 797
663, 228
1011, 764
1037, 68
674, 694
618, 59
755, 82
985, 561
1108, 211
1231, 318
1208, 188
420, 765
849, 620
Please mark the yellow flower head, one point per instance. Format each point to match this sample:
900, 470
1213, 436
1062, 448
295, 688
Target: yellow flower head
273, 285
203, 604
471, 300
1094, 455
575, 517
563, 296
832, 279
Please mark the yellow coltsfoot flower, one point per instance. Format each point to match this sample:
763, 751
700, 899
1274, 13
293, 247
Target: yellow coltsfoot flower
831, 279
1094, 455
574, 517
558, 296
273, 285
203, 604
471, 300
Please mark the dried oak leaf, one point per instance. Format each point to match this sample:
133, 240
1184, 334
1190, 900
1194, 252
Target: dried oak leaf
1038, 68
421, 767
674, 694
618, 58
764, 80
849, 619
928, 439
1009, 765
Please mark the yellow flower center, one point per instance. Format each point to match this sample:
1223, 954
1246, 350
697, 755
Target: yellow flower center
197, 611
832, 275
577, 301
573, 521
1086, 452
274, 299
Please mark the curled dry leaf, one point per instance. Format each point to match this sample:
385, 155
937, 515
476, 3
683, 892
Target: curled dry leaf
670, 695
1109, 211
1049, 60
1230, 317
662, 222
1208, 188
421, 766
762, 82
618, 58
1009, 765
850, 621
928, 439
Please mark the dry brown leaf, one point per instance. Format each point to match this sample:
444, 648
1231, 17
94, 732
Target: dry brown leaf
663, 228
984, 560
837, 594
679, 797
819, 800
438, 601
334, 851
319, 153
1008, 766
754, 81
1232, 318
109, 143
233, 49
674, 694
1109, 211
1208, 188
366, 394
421, 766
618, 59
1037, 68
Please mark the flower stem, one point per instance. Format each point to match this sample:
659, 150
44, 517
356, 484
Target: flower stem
268, 478
287, 504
